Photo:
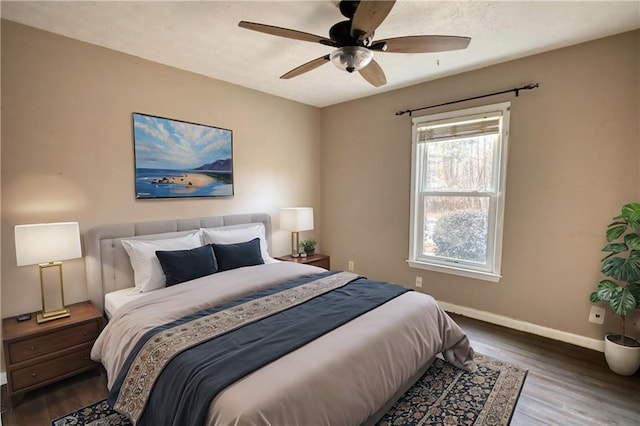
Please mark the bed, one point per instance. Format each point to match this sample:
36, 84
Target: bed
349, 374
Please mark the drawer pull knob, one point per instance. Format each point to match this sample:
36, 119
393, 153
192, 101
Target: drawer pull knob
32, 348
86, 358
84, 334
33, 374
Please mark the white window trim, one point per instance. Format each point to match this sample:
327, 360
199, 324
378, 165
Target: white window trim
494, 274
485, 276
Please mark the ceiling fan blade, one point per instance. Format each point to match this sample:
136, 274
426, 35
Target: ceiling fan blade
311, 65
369, 15
373, 74
421, 44
287, 33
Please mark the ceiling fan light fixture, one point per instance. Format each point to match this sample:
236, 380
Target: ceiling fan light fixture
351, 58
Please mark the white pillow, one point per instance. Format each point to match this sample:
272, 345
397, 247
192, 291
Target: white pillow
148, 273
233, 234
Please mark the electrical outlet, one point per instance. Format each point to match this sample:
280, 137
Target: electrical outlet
351, 265
596, 315
418, 281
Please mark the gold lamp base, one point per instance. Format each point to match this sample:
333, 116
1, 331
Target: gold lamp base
294, 244
50, 316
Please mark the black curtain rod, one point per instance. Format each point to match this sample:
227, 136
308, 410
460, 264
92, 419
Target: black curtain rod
517, 90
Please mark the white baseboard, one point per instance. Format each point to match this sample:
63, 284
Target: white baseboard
551, 333
3, 378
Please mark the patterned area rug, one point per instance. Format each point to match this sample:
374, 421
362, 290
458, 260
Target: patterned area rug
444, 395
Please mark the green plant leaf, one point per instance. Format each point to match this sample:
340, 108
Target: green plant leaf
594, 297
309, 244
619, 268
632, 240
616, 223
605, 289
629, 210
634, 288
622, 302
631, 214
616, 247
615, 232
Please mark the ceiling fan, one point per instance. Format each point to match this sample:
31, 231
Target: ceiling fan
353, 40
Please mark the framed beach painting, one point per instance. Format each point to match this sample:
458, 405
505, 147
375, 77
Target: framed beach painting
178, 159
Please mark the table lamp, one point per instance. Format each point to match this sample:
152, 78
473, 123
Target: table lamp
47, 244
296, 219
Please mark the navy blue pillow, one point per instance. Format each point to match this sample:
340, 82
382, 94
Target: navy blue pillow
184, 265
232, 256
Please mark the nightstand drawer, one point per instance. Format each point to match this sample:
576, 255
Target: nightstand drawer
51, 369
27, 349
321, 263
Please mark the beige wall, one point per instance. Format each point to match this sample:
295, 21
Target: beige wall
573, 161
68, 151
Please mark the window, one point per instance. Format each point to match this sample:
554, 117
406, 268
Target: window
459, 163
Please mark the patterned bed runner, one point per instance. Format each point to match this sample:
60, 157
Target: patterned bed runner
133, 392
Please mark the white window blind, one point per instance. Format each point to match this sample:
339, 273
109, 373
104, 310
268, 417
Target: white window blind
474, 127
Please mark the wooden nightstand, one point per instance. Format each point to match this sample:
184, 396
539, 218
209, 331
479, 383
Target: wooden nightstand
319, 260
40, 354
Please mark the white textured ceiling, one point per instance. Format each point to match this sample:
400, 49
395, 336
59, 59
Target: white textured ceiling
204, 37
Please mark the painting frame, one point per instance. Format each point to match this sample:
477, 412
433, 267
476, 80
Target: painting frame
181, 159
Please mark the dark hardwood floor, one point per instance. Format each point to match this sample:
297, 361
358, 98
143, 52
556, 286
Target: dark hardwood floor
41, 406
566, 385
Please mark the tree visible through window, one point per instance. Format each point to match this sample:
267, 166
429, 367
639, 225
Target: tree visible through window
458, 171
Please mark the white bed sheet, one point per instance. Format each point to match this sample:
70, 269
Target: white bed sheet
116, 299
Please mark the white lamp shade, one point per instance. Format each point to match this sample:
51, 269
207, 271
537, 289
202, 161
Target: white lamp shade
296, 219
47, 242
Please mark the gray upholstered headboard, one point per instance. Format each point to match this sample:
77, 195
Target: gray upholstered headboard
107, 263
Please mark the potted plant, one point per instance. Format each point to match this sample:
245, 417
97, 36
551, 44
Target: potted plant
309, 246
622, 291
